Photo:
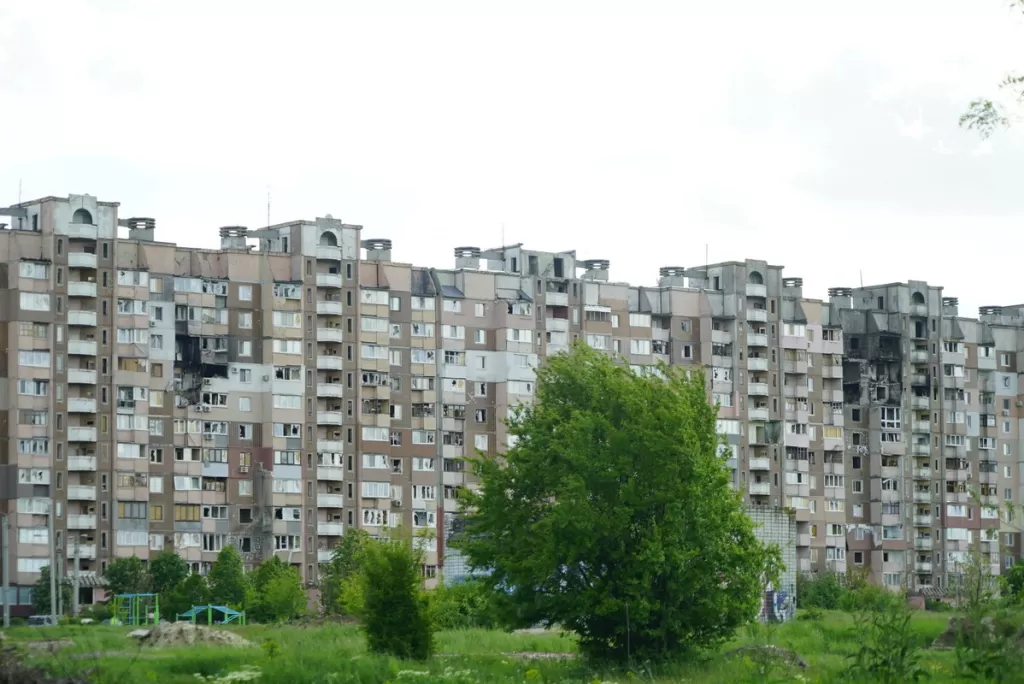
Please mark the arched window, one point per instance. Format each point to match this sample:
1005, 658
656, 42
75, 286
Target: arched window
755, 278
82, 216
328, 239
917, 298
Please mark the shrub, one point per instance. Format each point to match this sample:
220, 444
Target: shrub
463, 605
819, 591
395, 610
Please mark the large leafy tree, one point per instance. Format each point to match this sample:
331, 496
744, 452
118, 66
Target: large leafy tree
127, 576
613, 516
227, 579
41, 593
986, 115
341, 572
166, 570
277, 593
191, 591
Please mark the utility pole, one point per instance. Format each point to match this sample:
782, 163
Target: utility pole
53, 564
6, 570
74, 579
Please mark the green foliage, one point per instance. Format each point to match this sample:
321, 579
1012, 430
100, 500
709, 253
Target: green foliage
97, 612
277, 592
41, 593
888, 651
987, 648
336, 575
1012, 582
126, 576
464, 605
395, 612
191, 591
613, 516
824, 591
986, 116
166, 570
227, 579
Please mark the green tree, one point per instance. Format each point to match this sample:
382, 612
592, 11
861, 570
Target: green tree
277, 592
395, 612
613, 514
41, 593
191, 591
166, 570
126, 576
985, 115
342, 568
1012, 582
227, 579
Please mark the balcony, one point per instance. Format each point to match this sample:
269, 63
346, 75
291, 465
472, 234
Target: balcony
330, 501
330, 529
82, 522
82, 463
922, 497
78, 376
760, 488
328, 362
920, 403
757, 389
328, 334
922, 426
324, 556
923, 544
921, 449
795, 367
756, 290
833, 371
329, 445
755, 363
922, 473
919, 356
328, 252
721, 337
328, 417
83, 318
556, 298
757, 414
556, 324
81, 405
721, 361
330, 473
81, 260
81, 289
328, 280
918, 309
760, 464
757, 315
82, 231
329, 308
923, 567
81, 492
757, 340
81, 434
803, 539
85, 551
82, 347
918, 379
923, 520
799, 391
329, 389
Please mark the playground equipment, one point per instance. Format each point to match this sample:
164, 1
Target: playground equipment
229, 615
137, 609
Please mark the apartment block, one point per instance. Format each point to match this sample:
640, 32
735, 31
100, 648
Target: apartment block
298, 382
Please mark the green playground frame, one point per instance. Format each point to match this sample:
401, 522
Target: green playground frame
229, 614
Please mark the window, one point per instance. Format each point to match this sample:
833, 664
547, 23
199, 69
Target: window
34, 270
35, 301
890, 417
641, 347
639, 320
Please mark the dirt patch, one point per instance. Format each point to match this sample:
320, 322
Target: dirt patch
187, 634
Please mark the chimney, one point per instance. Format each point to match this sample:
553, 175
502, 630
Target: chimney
793, 287
233, 237
467, 257
140, 228
377, 249
597, 269
672, 276
990, 314
841, 297
949, 306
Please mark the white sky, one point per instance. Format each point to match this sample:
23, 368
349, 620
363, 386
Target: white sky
819, 135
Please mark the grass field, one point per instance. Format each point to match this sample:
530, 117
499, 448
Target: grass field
336, 653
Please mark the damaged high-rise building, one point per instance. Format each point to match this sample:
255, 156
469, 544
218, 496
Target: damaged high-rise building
299, 382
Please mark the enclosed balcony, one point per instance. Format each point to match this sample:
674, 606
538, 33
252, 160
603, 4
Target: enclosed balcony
82, 318
760, 488
82, 347
330, 501
82, 259
328, 362
81, 289
755, 363
78, 231
757, 315
78, 376
81, 492
760, 463
328, 417
82, 434
328, 280
82, 405
556, 298
329, 389
82, 463
756, 290
329, 308
757, 340
328, 334
82, 522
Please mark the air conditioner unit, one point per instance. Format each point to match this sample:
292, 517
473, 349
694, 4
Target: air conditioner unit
266, 378
396, 503
234, 371
207, 382
152, 324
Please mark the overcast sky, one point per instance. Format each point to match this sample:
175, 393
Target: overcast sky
638, 131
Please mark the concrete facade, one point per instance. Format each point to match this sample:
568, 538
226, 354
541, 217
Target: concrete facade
271, 395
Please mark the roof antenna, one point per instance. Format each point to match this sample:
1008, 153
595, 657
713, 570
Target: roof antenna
861, 279
19, 191
268, 206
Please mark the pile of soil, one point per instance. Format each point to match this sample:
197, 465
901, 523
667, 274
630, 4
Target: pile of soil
187, 634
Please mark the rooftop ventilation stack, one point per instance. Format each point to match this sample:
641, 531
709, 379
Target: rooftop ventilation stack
841, 297
597, 270
233, 237
672, 276
467, 257
141, 228
378, 249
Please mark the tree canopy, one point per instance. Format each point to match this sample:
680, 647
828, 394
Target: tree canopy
127, 575
613, 514
227, 581
986, 115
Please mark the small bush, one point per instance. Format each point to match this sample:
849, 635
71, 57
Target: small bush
819, 591
395, 611
463, 605
811, 614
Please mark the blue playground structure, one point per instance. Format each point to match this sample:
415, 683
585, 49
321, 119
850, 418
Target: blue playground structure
229, 615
